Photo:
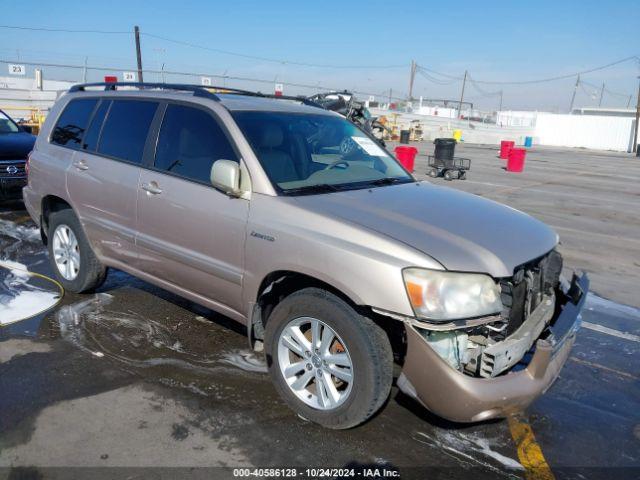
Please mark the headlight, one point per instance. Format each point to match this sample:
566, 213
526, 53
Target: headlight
441, 295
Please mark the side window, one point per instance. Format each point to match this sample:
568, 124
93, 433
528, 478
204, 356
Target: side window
90, 140
73, 122
125, 129
190, 141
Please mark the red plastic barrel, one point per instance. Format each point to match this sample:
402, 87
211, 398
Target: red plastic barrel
515, 162
406, 156
505, 146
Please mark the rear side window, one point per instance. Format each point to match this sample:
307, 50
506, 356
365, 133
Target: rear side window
90, 140
73, 122
190, 141
125, 130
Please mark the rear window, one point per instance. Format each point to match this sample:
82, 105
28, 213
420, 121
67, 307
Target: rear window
125, 130
90, 140
72, 123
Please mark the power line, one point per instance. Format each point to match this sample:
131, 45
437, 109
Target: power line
435, 80
540, 80
606, 90
561, 77
63, 30
481, 90
268, 59
211, 49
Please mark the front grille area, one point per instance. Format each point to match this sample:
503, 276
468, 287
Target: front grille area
523, 292
12, 168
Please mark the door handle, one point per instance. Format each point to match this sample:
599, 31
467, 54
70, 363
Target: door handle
152, 188
81, 165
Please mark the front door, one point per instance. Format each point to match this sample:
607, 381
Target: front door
188, 233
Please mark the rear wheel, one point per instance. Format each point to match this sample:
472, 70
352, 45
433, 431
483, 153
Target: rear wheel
330, 364
433, 172
73, 261
449, 175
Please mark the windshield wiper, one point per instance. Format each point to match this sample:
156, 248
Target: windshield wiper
387, 181
310, 189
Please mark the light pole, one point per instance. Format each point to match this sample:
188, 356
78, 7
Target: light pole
635, 134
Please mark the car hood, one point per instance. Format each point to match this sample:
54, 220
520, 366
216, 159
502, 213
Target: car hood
461, 231
16, 146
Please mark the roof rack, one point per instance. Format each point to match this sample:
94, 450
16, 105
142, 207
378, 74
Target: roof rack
208, 91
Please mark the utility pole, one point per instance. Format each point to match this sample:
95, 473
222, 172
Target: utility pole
464, 82
573, 97
84, 70
501, 92
390, 93
412, 76
136, 32
635, 134
601, 95
629, 101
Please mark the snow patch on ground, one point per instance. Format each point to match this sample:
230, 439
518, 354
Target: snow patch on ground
19, 232
470, 449
18, 299
245, 360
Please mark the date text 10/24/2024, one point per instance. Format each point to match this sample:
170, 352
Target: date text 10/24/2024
318, 472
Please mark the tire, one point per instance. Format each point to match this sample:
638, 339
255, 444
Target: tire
463, 175
365, 344
448, 175
433, 173
91, 273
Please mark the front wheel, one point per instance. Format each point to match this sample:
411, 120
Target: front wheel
330, 364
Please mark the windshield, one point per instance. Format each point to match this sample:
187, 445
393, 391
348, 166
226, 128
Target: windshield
317, 153
7, 125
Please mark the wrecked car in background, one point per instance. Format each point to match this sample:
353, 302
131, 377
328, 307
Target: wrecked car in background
291, 220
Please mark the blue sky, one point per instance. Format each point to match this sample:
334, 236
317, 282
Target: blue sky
498, 40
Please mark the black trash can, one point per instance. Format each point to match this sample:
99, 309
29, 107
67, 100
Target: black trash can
445, 148
404, 136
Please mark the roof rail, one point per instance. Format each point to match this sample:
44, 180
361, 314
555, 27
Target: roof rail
197, 90
208, 91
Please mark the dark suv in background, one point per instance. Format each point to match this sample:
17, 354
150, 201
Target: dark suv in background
15, 144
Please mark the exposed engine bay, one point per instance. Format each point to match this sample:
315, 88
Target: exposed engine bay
488, 347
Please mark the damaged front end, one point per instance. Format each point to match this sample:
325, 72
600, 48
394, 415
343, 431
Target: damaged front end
488, 366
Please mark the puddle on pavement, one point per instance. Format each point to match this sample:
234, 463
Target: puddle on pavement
176, 352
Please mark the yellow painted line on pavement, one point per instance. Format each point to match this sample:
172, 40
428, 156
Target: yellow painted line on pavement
529, 452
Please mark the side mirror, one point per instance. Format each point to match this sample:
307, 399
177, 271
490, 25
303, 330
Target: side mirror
225, 175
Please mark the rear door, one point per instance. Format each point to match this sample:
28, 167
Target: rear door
103, 177
190, 234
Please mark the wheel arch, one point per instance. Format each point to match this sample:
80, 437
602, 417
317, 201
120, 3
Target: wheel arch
50, 204
279, 284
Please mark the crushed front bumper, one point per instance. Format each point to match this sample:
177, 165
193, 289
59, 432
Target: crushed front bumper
462, 398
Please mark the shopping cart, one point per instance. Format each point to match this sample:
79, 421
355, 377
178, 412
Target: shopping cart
449, 168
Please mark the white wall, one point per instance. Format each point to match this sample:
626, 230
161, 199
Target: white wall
443, 112
510, 118
585, 131
22, 92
